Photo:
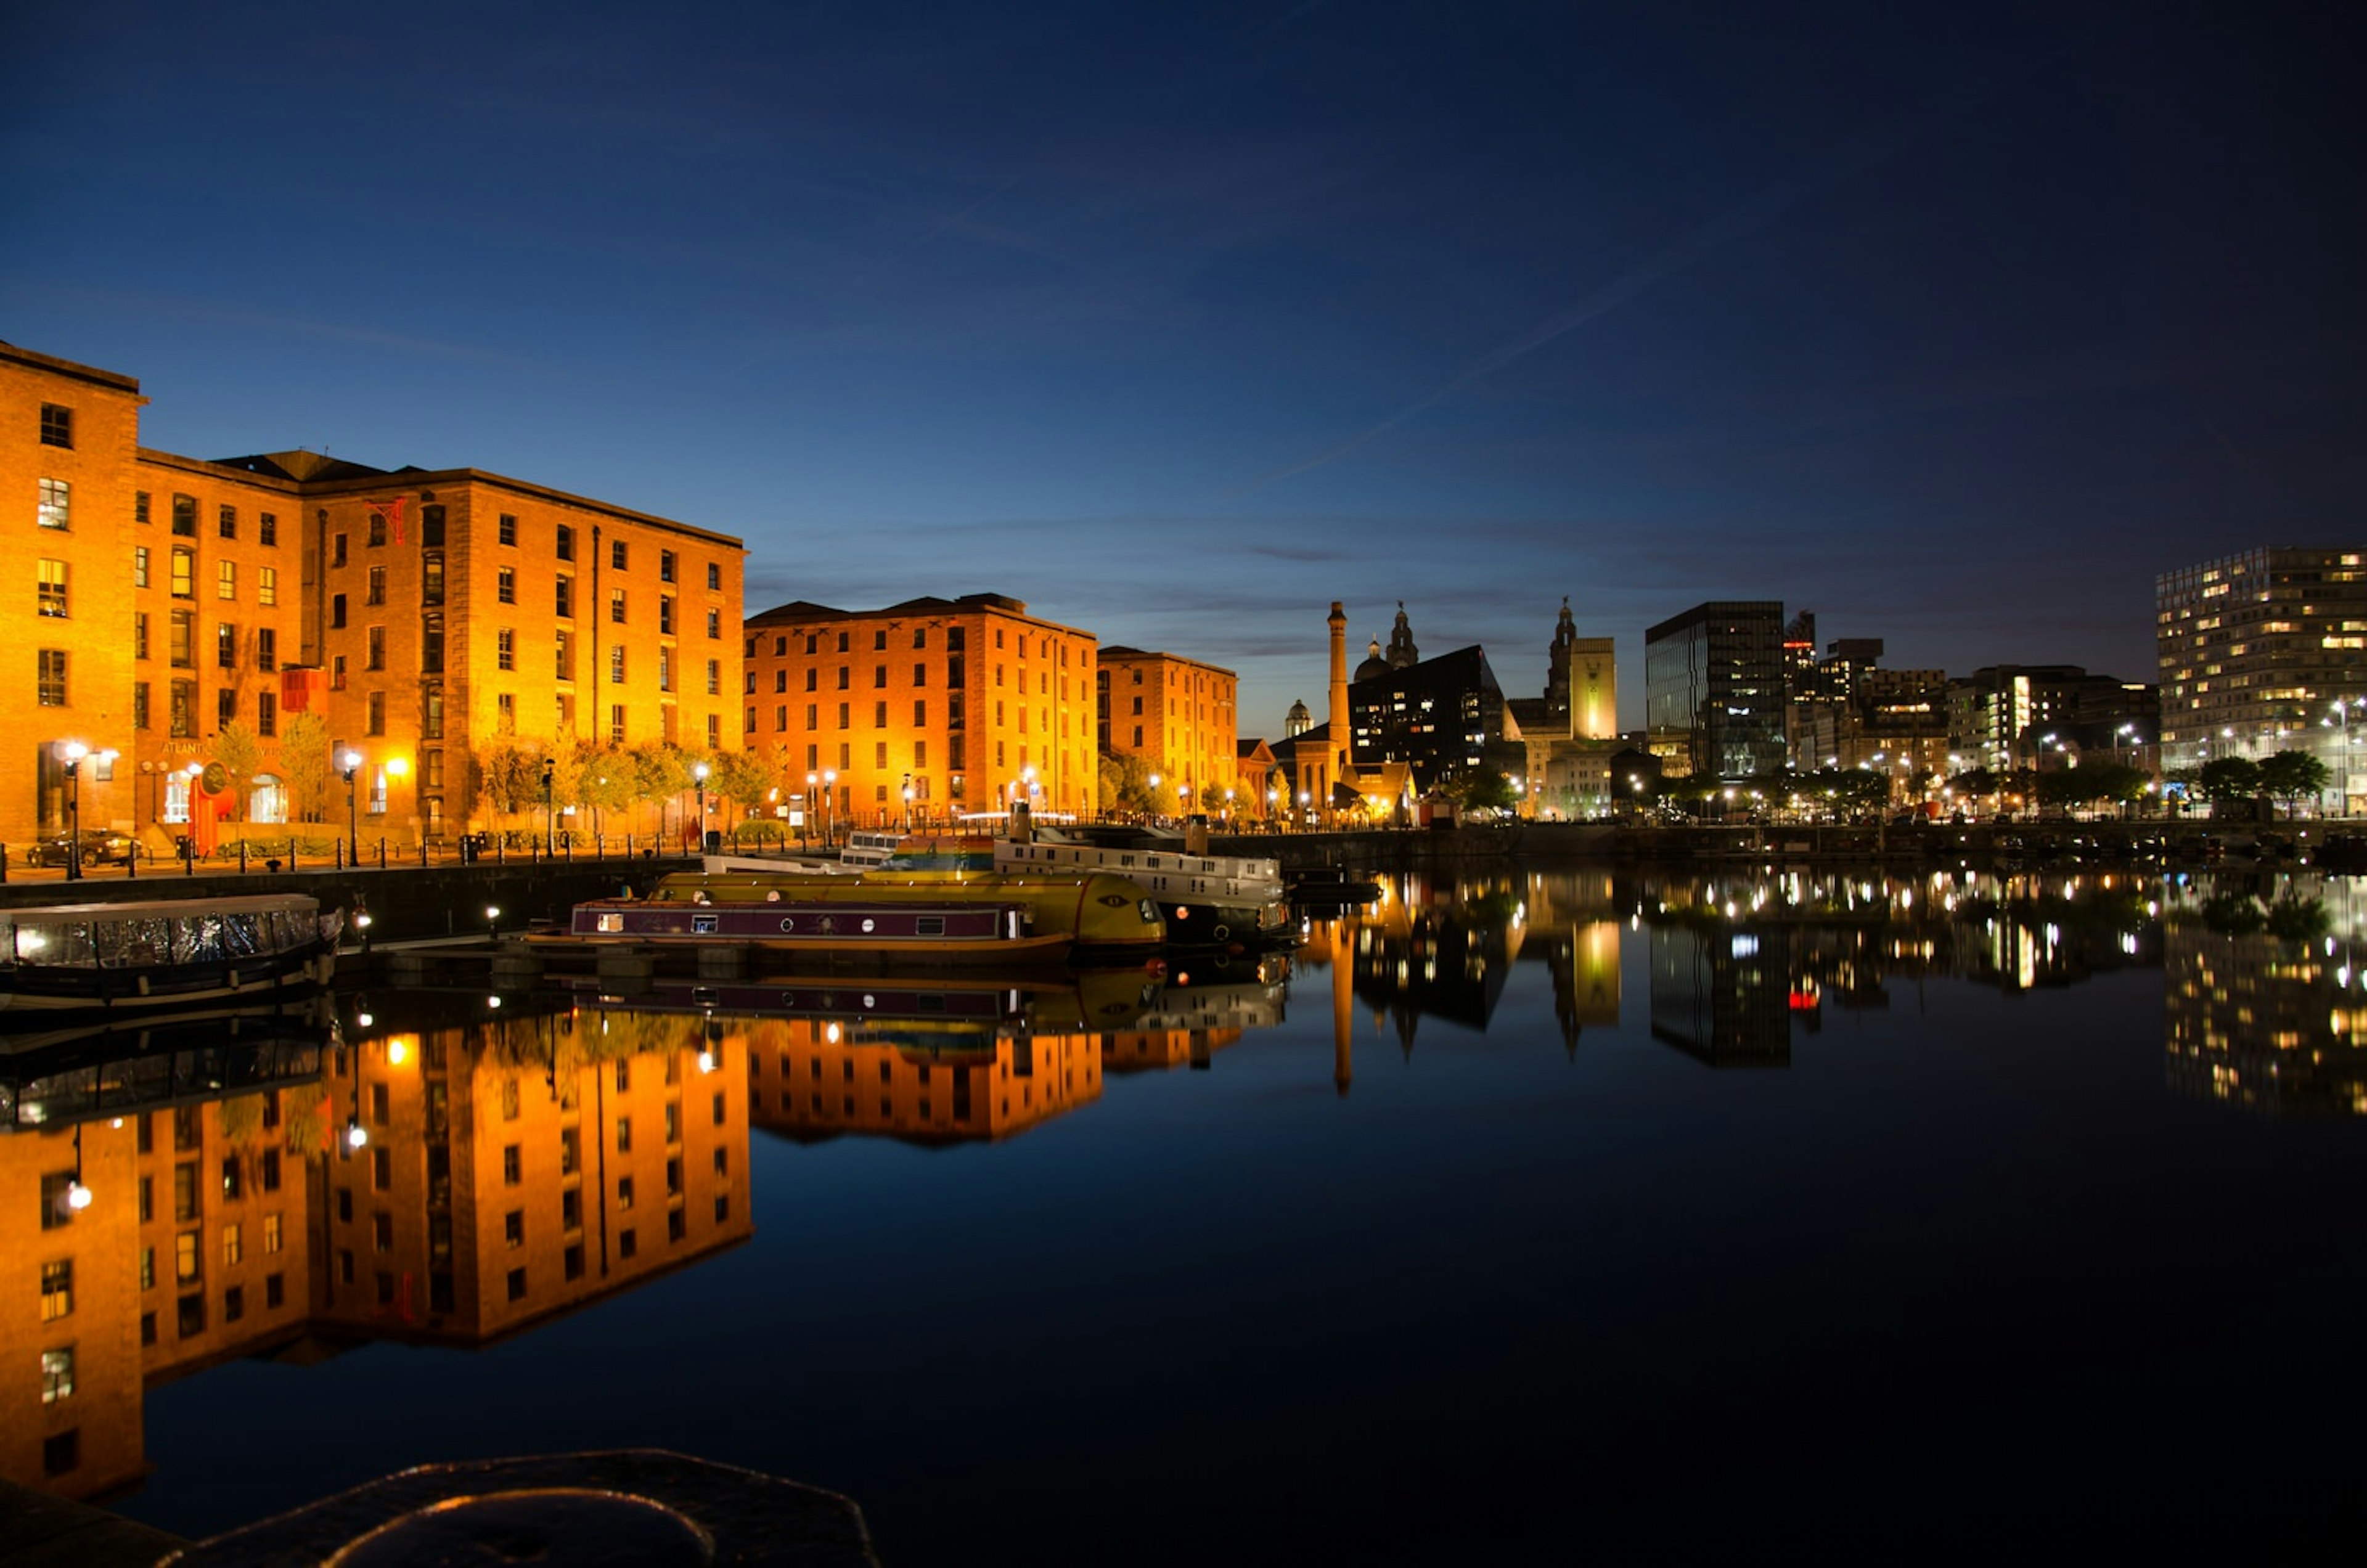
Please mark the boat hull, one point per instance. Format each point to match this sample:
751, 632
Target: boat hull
108, 981
922, 918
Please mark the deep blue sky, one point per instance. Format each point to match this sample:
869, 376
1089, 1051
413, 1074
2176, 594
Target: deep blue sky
1954, 324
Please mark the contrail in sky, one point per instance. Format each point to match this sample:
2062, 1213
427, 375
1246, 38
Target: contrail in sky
1808, 180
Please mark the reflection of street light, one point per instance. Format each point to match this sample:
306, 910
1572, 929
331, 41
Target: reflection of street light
351, 766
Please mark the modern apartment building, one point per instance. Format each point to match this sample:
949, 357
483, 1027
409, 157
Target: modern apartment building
1714, 687
181, 612
971, 703
1178, 715
2256, 649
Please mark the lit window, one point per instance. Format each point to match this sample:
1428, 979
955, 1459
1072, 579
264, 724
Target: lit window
55, 495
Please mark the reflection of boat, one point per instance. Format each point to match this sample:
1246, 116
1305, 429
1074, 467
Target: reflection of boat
1232, 997
92, 960
1207, 899
199, 1054
1330, 886
959, 918
1089, 999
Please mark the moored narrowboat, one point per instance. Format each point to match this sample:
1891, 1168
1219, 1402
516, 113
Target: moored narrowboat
987, 918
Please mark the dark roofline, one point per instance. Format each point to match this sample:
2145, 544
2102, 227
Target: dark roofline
803, 612
113, 380
1709, 609
379, 481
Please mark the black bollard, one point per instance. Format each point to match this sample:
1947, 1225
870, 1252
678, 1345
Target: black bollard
242, 857
132, 862
381, 854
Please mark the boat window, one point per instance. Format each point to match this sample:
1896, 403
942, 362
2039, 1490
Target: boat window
929, 925
240, 938
199, 939
62, 941
137, 943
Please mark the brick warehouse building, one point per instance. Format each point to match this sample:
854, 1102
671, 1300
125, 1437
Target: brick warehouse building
1177, 714
427, 614
970, 703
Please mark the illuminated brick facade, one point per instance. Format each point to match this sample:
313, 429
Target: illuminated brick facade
1177, 714
429, 617
970, 703
68, 439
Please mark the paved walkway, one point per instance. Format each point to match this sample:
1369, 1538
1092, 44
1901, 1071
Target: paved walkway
41, 1531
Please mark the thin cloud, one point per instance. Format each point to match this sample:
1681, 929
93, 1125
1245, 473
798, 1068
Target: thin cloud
1800, 185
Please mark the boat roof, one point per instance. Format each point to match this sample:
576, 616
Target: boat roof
164, 909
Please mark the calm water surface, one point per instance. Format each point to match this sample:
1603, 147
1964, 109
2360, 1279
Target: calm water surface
1543, 1214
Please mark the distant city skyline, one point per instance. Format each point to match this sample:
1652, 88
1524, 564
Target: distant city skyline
1956, 328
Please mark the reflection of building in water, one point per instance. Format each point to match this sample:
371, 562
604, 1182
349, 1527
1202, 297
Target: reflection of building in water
70, 1363
925, 1082
1723, 994
192, 1246
1448, 964
1192, 1020
520, 1168
507, 1172
1584, 964
2267, 1023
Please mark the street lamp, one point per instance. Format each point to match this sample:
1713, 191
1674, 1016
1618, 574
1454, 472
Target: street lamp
350, 764
805, 817
73, 751
830, 805
78, 1195
908, 803
698, 774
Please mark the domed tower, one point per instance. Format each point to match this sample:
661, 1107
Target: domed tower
1297, 721
1373, 663
1402, 653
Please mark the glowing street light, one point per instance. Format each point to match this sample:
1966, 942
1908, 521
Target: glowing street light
73, 752
350, 764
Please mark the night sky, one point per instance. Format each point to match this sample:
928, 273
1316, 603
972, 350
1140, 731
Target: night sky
1956, 324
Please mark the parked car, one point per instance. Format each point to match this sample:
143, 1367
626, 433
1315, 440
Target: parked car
100, 846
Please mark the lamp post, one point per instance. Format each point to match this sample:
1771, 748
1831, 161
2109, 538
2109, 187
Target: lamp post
805, 817
73, 751
78, 1195
350, 764
1154, 795
698, 774
828, 807
2341, 722
549, 826
908, 803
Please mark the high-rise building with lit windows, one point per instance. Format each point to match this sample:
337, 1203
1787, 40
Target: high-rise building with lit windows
2256, 649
